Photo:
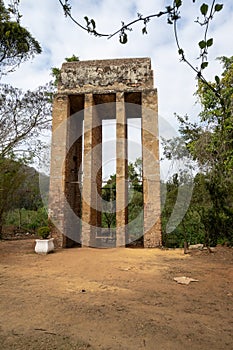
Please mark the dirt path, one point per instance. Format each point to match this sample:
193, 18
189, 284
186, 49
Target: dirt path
114, 299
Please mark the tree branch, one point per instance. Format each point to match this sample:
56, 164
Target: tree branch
173, 15
90, 26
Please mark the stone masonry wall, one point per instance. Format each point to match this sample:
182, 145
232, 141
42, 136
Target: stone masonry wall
118, 74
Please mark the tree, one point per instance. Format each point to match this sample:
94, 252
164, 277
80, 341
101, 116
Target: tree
23, 117
212, 146
135, 205
28, 195
210, 140
12, 176
16, 42
210, 143
195, 226
26, 209
109, 203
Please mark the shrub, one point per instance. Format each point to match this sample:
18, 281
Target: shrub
43, 232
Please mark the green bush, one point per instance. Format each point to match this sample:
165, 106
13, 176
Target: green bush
27, 219
43, 232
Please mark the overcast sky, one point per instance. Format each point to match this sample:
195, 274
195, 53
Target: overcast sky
176, 83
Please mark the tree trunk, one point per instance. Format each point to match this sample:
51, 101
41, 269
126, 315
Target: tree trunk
186, 247
207, 241
20, 218
1, 224
185, 239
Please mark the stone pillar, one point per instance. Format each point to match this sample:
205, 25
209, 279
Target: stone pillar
151, 173
61, 111
87, 172
121, 172
92, 174
96, 174
73, 168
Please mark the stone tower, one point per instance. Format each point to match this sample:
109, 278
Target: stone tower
88, 93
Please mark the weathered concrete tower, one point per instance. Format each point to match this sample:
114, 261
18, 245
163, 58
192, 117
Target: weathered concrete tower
88, 93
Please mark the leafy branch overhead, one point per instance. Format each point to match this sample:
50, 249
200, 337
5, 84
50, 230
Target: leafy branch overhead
173, 14
16, 42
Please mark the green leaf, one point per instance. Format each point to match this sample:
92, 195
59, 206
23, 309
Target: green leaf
204, 9
204, 65
218, 7
178, 3
209, 42
202, 44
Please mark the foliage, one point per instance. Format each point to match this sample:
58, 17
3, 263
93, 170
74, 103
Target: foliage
73, 58
56, 72
43, 232
212, 146
135, 212
23, 116
135, 175
176, 226
28, 195
109, 203
11, 177
192, 229
210, 143
16, 42
135, 206
20, 190
27, 219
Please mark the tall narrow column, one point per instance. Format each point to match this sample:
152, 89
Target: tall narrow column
92, 173
151, 174
121, 172
96, 173
87, 172
61, 111
73, 168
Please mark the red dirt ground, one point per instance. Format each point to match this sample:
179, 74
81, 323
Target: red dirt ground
112, 299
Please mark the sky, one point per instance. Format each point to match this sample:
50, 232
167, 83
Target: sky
175, 81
